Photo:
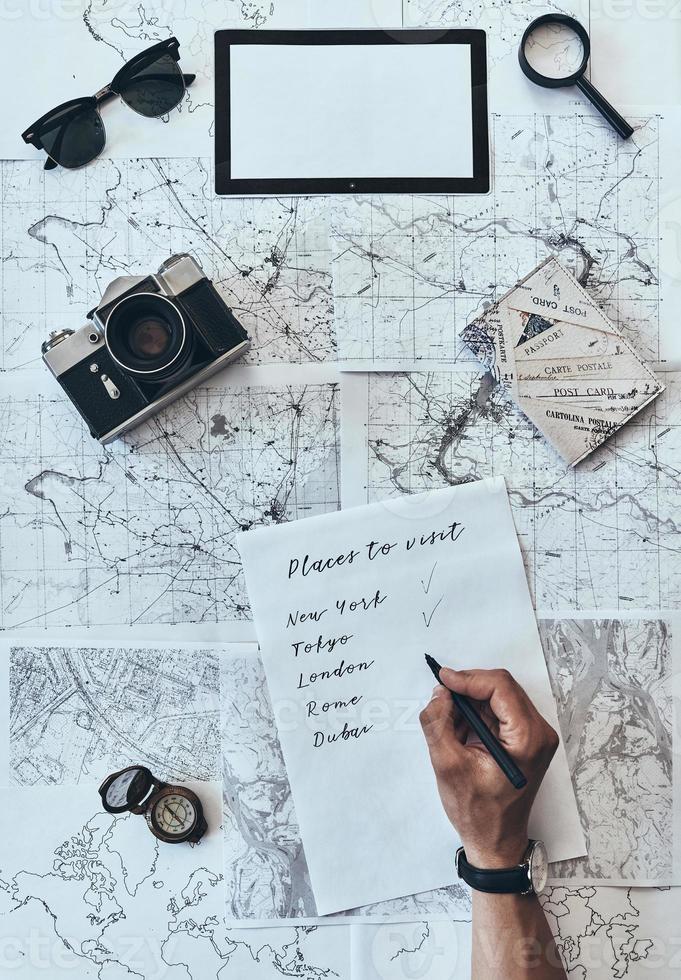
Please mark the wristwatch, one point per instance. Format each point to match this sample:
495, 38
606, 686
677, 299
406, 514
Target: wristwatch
527, 878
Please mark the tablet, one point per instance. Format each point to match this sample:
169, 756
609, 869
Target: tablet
332, 112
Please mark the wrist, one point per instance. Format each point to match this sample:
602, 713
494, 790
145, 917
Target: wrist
502, 854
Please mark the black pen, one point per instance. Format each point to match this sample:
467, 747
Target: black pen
488, 739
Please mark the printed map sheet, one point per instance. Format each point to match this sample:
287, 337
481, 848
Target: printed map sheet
409, 273
604, 535
66, 235
616, 684
83, 891
142, 531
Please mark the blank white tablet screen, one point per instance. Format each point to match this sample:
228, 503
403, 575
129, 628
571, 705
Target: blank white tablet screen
351, 110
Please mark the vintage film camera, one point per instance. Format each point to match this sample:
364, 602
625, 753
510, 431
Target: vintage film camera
150, 340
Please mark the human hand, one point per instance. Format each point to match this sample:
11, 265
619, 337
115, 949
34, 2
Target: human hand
490, 815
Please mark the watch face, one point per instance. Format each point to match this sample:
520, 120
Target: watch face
173, 816
127, 789
539, 867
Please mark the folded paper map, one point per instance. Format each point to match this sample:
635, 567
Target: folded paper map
565, 364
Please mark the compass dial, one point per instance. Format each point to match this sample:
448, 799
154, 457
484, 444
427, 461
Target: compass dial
174, 815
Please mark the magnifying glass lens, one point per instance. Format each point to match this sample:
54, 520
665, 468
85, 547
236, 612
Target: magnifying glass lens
554, 50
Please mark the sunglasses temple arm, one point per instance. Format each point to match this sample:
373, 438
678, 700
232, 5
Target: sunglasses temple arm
50, 164
188, 79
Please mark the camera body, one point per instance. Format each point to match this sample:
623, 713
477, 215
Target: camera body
150, 341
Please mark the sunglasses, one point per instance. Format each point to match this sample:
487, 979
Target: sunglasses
151, 83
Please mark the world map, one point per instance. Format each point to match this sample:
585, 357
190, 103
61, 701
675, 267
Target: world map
103, 899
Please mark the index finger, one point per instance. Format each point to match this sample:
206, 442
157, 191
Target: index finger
499, 688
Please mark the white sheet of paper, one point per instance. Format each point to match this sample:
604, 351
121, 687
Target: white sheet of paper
444, 575
645, 37
351, 110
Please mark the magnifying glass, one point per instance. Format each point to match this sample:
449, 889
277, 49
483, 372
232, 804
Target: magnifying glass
554, 52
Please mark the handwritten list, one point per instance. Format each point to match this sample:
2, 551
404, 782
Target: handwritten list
345, 607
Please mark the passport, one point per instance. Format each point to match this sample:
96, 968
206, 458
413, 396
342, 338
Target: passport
562, 360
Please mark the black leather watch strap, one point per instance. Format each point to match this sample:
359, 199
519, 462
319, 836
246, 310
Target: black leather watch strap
497, 881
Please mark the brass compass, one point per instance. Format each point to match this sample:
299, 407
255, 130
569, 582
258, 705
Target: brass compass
173, 813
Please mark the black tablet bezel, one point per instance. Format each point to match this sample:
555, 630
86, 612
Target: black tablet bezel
479, 183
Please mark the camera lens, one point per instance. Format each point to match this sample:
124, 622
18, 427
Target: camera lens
150, 338
146, 334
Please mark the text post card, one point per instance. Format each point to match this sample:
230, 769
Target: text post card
565, 364
346, 605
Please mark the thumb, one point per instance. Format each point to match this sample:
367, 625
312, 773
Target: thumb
437, 722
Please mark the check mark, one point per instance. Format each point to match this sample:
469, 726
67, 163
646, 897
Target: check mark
423, 584
428, 620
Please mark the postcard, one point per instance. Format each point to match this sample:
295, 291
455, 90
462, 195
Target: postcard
565, 364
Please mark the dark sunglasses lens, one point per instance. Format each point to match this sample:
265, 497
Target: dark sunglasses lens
73, 137
154, 89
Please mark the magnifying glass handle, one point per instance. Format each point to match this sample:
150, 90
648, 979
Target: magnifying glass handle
618, 123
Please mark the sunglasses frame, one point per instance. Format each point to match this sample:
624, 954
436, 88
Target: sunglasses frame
171, 46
